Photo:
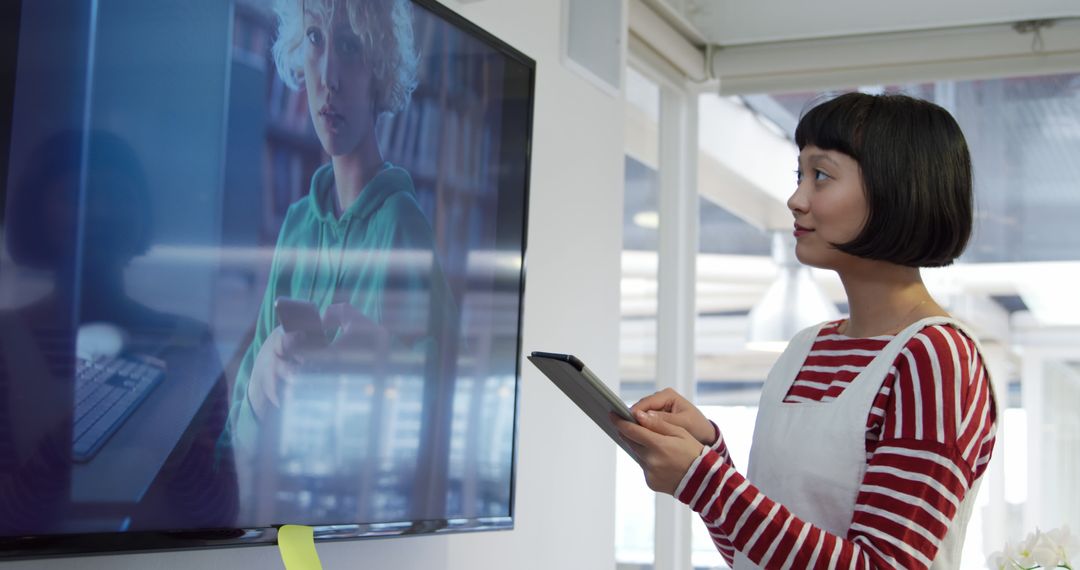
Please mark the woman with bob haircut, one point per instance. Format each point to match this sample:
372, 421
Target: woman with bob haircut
359, 231
873, 432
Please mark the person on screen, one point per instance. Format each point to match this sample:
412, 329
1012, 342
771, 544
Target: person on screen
358, 244
873, 432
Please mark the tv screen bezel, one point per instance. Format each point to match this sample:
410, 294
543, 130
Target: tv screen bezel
71, 545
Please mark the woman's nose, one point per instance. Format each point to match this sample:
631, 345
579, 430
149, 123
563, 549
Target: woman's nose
793, 204
797, 202
330, 75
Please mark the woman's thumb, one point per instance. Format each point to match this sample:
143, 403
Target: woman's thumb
657, 422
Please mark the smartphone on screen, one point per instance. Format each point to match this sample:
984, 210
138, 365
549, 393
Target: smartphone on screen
298, 316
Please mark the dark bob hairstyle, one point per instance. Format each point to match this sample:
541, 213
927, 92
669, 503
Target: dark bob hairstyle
916, 173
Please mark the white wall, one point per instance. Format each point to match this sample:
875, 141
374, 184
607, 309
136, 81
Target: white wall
565, 467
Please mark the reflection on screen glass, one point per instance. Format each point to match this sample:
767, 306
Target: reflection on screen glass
261, 264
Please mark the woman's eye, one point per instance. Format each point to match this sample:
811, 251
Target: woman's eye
820, 175
348, 47
314, 36
798, 176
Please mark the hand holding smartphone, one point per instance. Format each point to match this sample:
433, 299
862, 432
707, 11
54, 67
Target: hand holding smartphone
298, 316
277, 360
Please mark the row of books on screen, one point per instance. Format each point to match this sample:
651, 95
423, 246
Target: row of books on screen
289, 179
436, 143
288, 107
251, 34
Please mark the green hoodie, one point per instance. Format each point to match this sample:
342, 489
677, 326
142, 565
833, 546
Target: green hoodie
382, 243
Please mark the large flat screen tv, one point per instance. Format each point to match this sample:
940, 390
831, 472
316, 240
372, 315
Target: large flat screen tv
261, 263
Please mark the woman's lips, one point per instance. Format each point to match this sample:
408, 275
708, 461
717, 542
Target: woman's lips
332, 117
801, 231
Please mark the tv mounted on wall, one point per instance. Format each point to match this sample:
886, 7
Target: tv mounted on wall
261, 263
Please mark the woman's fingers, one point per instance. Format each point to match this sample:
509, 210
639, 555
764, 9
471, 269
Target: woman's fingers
333, 317
666, 400
666, 417
650, 429
657, 422
663, 400
635, 433
664, 450
674, 409
291, 346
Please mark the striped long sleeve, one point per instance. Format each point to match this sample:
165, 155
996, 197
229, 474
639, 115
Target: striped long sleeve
930, 433
723, 545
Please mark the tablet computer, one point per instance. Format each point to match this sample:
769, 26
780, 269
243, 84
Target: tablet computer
583, 387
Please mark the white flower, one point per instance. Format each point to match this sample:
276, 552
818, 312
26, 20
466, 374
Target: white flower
1023, 555
1004, 558
1039, 549
1031, 541
1064, 543
998, 561
1045, 555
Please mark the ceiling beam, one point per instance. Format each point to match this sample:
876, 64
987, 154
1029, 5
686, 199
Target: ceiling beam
968, 52
667, 41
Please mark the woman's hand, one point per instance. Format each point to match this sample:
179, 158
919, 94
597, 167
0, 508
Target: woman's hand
360, 344
274, 365
284, 356
356, 332
677, 410
665, 450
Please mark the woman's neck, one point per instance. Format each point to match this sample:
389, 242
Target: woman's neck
883, 298
353, 171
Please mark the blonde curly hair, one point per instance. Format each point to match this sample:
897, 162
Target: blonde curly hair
386, 34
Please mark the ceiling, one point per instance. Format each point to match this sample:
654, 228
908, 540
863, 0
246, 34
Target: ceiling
730, 22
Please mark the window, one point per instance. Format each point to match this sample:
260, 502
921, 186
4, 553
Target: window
634, 504
733, 268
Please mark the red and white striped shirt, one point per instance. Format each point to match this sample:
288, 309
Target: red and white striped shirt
929, 436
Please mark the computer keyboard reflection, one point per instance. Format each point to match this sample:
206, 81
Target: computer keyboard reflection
107, 391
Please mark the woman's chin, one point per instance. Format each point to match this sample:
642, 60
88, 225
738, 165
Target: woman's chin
336, 142
334, 147
807, 256
802, 254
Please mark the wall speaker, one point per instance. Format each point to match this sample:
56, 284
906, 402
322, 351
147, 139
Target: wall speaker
594, 41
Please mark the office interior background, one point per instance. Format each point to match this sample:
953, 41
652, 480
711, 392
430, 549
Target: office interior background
662, 158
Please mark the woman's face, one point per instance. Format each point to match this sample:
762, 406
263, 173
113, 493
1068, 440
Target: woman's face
829, 206
338, 81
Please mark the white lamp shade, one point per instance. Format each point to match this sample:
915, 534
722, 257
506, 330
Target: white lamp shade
793, 301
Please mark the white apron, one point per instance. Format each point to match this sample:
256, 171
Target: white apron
811, 456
